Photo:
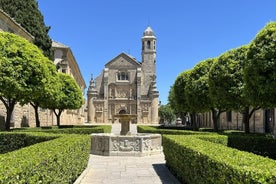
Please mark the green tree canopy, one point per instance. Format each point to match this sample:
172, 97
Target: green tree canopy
197, 88
166, 113
27, 14
227, 83
42, 94
172, 103
180, 100
67, 95
226, 80
260, 70
22, 70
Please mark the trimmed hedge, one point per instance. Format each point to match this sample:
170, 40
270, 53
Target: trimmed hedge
260, 144
194, 160
70, 129
214, 138
13, 141
60, 160
161, 130
264, 145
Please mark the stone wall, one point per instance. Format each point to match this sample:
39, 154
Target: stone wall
24, 116
257, 121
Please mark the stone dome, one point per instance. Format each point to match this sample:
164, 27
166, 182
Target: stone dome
148, 32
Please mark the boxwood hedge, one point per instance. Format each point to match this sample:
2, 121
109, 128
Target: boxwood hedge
57, 161
194, 160
161, 130
264, 145
201, 157
13, 141
69, 129
261, 144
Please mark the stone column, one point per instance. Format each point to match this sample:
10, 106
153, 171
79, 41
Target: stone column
91, 97
105, 105
138, 109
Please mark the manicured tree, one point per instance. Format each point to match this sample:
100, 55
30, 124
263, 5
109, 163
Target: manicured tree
180, 100
44, 91
172, 101
27, 14
166, 113
227, 84
260, 70
22, 69
197, 91
179, 91
67, 95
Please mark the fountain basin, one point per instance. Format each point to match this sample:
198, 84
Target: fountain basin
141, 144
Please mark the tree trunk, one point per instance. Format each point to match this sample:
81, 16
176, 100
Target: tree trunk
9, 104
246, 115
193, 120
245, 119
8, 119
183, 117
58, 114
215, 117
37, 121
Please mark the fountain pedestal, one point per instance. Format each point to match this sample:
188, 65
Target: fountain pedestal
125, 122
125, 127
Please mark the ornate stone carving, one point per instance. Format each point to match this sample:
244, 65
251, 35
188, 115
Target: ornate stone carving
146, 144
145, 107
98, 107
138, 145
126, 146
120, 106
122, 93
115, 145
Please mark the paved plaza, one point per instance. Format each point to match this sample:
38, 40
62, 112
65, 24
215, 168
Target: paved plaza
129, 170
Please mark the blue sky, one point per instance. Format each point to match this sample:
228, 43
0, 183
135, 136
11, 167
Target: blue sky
187, 31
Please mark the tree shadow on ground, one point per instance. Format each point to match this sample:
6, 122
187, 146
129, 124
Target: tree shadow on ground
164, 174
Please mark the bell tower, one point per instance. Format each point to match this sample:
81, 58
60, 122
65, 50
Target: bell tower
149, 89
149, 51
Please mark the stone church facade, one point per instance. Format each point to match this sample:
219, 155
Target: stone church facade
126, 86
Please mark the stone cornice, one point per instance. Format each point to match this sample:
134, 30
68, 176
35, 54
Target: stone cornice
15, 26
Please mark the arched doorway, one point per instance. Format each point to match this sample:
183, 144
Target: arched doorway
123, 111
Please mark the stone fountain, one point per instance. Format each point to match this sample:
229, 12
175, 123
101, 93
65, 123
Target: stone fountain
125, 144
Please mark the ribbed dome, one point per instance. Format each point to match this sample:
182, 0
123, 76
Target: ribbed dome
148, 32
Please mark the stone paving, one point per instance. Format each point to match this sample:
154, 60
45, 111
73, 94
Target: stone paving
126, 170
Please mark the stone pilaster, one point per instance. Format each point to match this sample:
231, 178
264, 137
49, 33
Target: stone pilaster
154, 109
155, 102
